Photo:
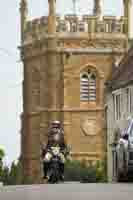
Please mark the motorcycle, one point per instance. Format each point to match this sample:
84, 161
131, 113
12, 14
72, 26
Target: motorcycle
55, 158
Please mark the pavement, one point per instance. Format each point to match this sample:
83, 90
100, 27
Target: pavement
68, 191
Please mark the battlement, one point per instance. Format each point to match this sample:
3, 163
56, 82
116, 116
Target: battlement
76, 24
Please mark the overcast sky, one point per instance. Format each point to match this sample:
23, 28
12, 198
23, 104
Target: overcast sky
11, 67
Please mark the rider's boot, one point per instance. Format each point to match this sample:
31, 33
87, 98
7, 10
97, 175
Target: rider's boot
45, 169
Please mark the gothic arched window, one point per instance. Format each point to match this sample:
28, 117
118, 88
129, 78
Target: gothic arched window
88, 86
84, 85
92, 87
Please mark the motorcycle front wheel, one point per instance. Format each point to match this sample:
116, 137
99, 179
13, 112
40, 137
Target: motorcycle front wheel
54, 174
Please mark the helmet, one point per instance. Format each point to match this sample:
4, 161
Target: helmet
56, 124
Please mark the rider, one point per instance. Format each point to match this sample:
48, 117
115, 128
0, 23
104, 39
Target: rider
55, 138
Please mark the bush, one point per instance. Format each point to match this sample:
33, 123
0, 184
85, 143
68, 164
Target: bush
81, 172
12, 175
101, 172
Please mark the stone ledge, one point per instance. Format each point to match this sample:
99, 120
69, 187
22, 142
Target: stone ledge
87, 154
40, 110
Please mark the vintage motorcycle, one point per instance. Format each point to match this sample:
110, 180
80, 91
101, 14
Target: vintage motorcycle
55, 158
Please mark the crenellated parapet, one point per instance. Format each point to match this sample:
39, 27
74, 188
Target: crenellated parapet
36, 28
71, 24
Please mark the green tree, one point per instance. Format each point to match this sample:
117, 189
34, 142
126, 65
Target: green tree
5, 175
12, 175
15, 174
2, 154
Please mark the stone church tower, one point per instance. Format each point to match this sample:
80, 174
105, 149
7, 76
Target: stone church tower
67, 61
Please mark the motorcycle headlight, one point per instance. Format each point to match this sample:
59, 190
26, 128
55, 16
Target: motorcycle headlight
56, 150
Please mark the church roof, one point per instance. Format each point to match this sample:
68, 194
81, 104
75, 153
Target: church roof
123, 74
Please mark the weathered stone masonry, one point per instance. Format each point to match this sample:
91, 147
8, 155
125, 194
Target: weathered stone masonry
55, 52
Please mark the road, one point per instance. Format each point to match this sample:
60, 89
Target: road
72, 191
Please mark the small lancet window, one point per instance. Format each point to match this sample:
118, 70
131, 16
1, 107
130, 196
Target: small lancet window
92, 88
88, 87
84, 84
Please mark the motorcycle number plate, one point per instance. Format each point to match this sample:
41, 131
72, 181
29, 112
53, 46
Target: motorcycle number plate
55, 159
